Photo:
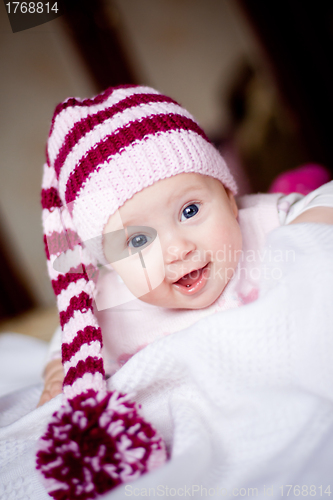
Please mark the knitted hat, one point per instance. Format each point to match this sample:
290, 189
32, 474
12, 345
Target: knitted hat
100, 153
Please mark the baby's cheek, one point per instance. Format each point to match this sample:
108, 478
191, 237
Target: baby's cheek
152, 257
144, 271
233, 239
227, 253
133, 274
238, 243
159, 296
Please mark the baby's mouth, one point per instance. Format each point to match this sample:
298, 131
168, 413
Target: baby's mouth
192, 282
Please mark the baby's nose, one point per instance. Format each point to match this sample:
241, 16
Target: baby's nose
179, 251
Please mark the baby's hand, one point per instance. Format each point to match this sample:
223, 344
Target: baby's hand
54, 377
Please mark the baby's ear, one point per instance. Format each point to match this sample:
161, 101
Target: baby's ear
232, 201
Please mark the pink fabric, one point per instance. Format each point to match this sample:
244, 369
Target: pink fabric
57, 242
85, 336
115, 143
88, 123
81, 303
301, 180
101, 131
69, 115
72, 101
89, 365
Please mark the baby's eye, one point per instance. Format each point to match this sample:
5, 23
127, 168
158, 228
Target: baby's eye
139, 240
190, 211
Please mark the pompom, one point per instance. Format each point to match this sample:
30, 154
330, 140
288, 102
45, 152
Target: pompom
94, 443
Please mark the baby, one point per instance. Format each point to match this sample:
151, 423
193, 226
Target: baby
132, 186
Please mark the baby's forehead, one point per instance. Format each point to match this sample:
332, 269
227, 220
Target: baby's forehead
174, 187
162, 195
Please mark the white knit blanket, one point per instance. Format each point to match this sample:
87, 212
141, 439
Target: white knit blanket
244, 398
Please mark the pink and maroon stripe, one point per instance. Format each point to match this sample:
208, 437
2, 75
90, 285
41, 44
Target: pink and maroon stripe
89, 365
122, 138
82, 303
88, 272
64, 280
61, 241
89, 334
50, 198
88, 123
73, 102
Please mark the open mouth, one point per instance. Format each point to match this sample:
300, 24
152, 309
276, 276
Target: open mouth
192, 282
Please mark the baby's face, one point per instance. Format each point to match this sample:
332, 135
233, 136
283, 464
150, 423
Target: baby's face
198, 236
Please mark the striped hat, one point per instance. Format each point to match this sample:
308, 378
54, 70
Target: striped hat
100, 153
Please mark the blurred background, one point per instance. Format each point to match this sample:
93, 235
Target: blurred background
257, 76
